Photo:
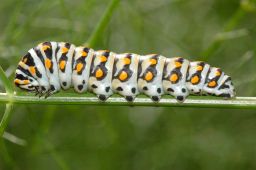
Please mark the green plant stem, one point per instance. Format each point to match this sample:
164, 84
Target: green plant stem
7, 84
102, 24
8, 108
5, 118
209, 102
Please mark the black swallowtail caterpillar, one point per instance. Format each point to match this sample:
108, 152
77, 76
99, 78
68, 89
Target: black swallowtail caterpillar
50, 66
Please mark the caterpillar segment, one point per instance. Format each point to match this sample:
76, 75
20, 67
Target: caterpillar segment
52, 66
45, 51
150, 76
64, 57
35, 67
198, 72
174, 77
81, 63
101, 74
125, 75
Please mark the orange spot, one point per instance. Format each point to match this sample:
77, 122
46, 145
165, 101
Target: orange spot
17, 81
127, 61
62, 64
45, 47
177, 64
174, 77
212, 83
84, 54
64, 50
99, 73
217, 73
152, 61
79, 67
149, 76
123, 76
195, 79
32, 70
48, 63
26, 82
103, 58
199, 68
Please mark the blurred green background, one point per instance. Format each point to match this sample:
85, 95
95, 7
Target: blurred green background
221, 32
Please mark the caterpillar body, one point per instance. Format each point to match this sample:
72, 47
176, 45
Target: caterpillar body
50, 66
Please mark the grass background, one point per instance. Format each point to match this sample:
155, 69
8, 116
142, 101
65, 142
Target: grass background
221, 32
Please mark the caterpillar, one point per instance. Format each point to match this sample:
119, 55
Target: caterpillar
52, 66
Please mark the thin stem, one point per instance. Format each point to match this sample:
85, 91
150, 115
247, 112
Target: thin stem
6, 117
8, 108
7, 84
208, 102
102, 24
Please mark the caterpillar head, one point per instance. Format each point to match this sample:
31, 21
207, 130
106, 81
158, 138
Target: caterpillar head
24, 81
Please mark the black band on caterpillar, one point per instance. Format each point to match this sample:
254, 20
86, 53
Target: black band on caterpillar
50, 66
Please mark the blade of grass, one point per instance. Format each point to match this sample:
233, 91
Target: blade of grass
14, 139
192, 101
102, 24
216, 43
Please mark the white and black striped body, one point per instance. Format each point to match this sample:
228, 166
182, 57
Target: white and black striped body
50, 66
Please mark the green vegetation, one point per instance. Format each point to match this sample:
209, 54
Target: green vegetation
114, 135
